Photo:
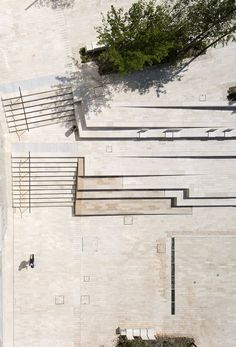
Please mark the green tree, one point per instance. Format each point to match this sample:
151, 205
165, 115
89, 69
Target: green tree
148, 33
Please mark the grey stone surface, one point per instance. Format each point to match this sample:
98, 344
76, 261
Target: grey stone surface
127, 260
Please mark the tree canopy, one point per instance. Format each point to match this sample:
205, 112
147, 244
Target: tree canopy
150, 33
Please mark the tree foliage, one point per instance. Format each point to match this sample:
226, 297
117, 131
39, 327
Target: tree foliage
150, 33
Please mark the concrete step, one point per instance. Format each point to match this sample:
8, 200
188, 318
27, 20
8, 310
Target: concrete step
109, 194
127, 207
94, 183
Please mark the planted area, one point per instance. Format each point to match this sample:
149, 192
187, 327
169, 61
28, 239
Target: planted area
150, 33
161, 341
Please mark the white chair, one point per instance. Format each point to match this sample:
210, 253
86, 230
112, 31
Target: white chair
143, 334
151, 334
129, 334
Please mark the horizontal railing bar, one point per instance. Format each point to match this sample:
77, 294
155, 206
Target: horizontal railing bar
38, 93
40, 108
16, 156
54, 118
43, 174
38, 105
44, 125
44, 169
70, 168
47, 158
72, 181
46, 201
45, 185
19, 172
41, 179
38, 99
38, 112
43, 120
50, 163
68, 204
17, 130
41, 206
47, 198
15, 163
15, 174
10, 99
16, 122
34, 194
17, 159
37, 191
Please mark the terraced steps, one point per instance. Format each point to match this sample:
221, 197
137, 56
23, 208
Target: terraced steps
106, 195
96, 196
25, 112
43, 181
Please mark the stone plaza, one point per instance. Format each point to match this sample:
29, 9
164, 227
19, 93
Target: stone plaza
123, 188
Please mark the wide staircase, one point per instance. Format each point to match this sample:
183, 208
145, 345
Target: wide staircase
100, 196
29, 111
43, 181
108, 195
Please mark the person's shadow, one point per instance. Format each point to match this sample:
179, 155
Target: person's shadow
23, 265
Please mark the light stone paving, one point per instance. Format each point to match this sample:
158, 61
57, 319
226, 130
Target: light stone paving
129, 283
206, 299
95, 274
27, 38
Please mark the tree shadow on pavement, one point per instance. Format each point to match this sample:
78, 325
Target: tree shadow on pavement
97, 91
156, 78
88, 86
